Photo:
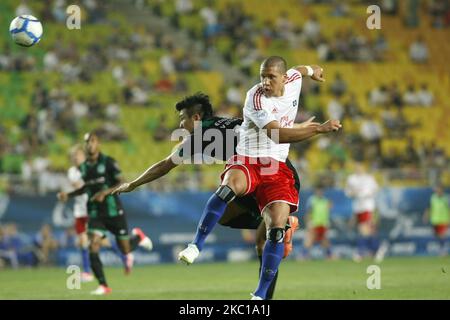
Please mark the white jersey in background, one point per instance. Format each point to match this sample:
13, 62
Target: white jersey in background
260, 110
80, 202
362, 188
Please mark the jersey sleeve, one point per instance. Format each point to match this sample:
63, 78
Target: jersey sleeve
114, 169
74, 175
257, 108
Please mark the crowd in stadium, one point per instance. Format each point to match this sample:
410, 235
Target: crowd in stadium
54, 109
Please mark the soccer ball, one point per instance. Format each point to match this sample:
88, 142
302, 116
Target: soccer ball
25, 30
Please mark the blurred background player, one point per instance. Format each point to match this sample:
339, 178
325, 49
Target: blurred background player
362, 188
101, 174
317, 222
77, 157
438, 215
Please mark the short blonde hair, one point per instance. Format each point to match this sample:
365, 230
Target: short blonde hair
75, 149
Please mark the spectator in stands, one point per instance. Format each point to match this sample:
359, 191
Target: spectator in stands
339, 86
7, 253
5, 58
425, 96
380, 46
438, 10
311, 30
410, 155
210, 17
418, 51
183, 7
352, 108
389, 6
340, 9
162, 131
167, 62
59, 11
372, 133
23, 8
235, 94
335, 109
390, 159
284, 26
45, 245
395, 95
379, 96
410, 97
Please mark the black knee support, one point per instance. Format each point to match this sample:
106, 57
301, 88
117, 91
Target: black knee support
225, 193
276, 235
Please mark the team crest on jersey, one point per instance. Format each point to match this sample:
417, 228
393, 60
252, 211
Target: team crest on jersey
101, 169
261, 114
275, 110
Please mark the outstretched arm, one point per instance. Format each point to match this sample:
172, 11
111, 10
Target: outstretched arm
64, 196
299, 133
314, 71
154, 172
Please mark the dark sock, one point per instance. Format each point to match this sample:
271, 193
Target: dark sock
361, 243
271, 290
97, 268
374, 244
134, 242
271, 258
85, 260
214, 209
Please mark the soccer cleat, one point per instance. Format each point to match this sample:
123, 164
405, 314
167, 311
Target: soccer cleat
129, 261
293, 223
87, 277
145, 242
101, 290
189, 254
255, 297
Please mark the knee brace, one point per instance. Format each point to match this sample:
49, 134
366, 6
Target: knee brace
275, 235
225, 193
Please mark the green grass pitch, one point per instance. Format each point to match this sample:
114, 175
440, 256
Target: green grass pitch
401, 278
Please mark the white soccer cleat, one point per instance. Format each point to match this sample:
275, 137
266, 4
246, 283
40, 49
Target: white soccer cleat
255, 297
145, 241
101, 291
189, 254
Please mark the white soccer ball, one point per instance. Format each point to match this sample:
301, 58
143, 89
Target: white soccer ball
26, 30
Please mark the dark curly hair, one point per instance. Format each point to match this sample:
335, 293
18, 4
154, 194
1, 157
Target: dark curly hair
197, 103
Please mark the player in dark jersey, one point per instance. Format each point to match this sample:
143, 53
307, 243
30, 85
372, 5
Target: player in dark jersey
101, 174
213, 137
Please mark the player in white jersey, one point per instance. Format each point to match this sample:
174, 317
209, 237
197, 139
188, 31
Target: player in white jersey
259, 167
77, 157
362, 188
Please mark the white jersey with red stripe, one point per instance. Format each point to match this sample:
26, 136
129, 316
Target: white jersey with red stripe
80, 202
362, 188
260, 110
